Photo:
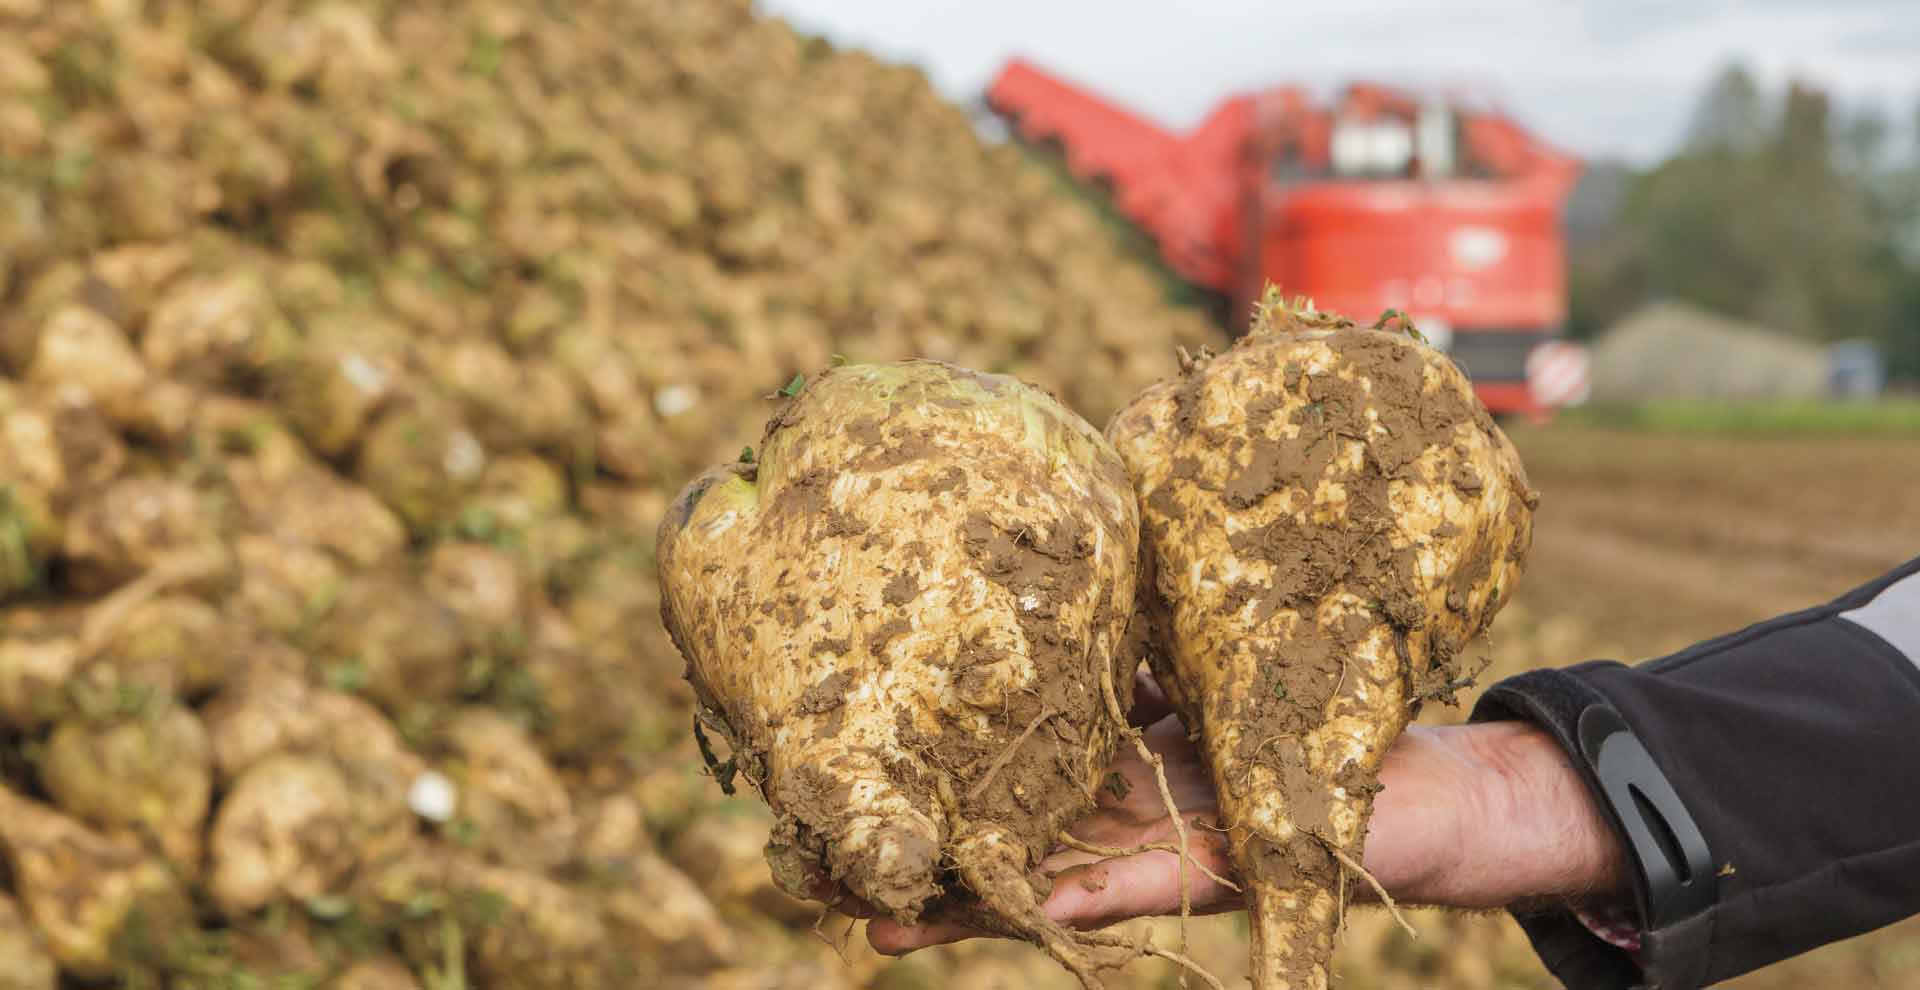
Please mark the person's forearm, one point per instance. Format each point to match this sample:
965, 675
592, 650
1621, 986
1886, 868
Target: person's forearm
1519, 825
1768, 827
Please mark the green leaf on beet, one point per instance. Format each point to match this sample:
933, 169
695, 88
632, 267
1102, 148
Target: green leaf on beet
348, 675
483, 907
329, 907
793, 387
422, 904
463, 831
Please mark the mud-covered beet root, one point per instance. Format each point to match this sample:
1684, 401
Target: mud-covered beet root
903, 617
1328, 516
87, 893
25, 963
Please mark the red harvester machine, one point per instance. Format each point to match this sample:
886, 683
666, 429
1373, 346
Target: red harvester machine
1383, 201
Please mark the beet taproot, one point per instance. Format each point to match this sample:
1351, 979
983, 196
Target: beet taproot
1328, 517
907, 615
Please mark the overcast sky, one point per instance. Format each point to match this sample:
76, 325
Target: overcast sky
1601, 77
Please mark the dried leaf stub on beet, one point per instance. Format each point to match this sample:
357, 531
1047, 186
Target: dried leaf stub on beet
1328, 516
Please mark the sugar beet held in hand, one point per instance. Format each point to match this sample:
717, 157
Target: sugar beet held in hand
1328, 516
905, 614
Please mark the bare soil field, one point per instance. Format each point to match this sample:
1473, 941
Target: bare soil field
1661, 540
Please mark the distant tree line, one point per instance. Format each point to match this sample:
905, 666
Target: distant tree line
1777, 208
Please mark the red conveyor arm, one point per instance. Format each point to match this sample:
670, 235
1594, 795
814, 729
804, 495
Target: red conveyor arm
1178, 188
1100, 141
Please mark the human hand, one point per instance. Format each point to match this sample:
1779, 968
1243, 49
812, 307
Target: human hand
1471, 816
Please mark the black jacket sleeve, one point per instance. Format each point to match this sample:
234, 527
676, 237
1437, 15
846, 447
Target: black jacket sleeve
1766, 783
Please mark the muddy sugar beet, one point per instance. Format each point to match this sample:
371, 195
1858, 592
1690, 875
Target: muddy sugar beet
1328, 517
906, 616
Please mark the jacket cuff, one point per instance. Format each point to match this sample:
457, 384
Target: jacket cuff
1672, 869
1773, 853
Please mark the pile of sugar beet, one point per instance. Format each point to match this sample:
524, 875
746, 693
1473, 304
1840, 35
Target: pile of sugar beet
350, 354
